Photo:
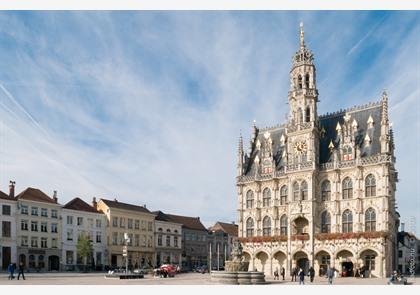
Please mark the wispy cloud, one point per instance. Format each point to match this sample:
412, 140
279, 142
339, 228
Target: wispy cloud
147, 106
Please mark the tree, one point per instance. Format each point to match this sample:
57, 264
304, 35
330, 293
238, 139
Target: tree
84, 248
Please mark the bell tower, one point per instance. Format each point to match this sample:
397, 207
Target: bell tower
303, 94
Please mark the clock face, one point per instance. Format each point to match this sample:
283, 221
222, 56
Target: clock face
300, 147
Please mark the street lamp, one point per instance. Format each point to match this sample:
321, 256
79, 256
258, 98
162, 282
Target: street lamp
125, 251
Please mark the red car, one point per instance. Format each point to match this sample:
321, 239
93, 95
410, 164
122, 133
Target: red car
167, 270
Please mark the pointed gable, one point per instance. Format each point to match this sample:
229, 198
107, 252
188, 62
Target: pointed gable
79, 205
34, 194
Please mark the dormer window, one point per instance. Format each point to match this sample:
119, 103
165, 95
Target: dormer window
347, 153
267, 167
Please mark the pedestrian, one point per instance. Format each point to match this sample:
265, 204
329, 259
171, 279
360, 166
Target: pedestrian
311, 274
21, 267
330, 275
301, 277
283, 272
276, 274
11, 270
294, 273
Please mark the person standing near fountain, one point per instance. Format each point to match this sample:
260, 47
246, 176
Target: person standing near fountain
283, 272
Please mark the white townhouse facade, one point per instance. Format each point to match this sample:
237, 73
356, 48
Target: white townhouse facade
8, 251
80, 218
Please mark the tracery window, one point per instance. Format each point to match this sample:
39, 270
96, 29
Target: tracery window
325, 222
326, 190
370, 220
370, 186
283, 195
283, 225
250, 227
304, 190
347, 221
267, 226
347, 188
295, 191
249, 199
347, 153
266, 197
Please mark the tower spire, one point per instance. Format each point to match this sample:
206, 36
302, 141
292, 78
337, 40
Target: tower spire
384, 107
302, 36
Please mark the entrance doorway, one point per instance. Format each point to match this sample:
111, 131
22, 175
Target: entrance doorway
302, 261
6, 257
347, 269
53, 263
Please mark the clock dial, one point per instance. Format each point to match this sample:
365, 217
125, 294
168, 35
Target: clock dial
300, 147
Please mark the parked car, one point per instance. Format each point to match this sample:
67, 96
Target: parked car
143, 270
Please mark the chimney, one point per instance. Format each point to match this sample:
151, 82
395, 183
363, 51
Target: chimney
144, 205
12, 188
55, 197
115, 200
94, 204
233, 222
402, 226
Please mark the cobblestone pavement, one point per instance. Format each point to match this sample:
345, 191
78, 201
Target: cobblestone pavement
181, 279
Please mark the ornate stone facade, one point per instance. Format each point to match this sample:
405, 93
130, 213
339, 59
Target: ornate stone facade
319, 190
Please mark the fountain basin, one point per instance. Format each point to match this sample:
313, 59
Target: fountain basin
238, 277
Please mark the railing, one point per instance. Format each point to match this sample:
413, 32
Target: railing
376, 159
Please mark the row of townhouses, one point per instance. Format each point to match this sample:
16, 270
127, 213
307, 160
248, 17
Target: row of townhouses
43, 234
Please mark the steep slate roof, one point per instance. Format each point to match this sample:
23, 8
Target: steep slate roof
125, 206
79, 205
229, 228
329, 123
5, 196
187, 222
34, 194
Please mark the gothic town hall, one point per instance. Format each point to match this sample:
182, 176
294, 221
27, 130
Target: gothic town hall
319, 190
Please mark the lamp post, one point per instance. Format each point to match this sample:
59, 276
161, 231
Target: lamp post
125, 251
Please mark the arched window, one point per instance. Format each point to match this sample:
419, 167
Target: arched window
267, 226
250, 227
307, 80
304, 190
307, 115
370, 186
347, 221
347, 188
283, 195
300, 82
283, 225
168, 230
347, 153
249, 199
266, 197
325, 222
370, 220
326, 190
295, 191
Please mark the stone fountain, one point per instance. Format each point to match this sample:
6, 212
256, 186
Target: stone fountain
236, 270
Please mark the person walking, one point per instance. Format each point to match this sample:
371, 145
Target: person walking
21, 267
294, 273
330, 275
283, 272
11, 270
311, 274
301, 277
276, 274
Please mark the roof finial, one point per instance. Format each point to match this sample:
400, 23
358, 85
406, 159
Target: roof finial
384, 107
302, 36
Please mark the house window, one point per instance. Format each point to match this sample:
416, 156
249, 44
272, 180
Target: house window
24, 224
266, 197
130, 239
283, 225
114, 238
137, 224
347, 188
370, 186
267, 226
304, 190
44, 212
98, 237
347, 221
53, 243
150, 226
6, 229
79, 221
44, 226
159, 240
6, 210
325, 222
43, 242
370, 220
34, 211
143, 225
326, 190
249, 199
24, 241
122, 222
130, 223
34, 242
34, 226
54, 228
283, 195
168, 240
69, 257
295, 191
115, 221
347, 153
98, 223
69, 219
53, 213
137, 240
176, 242
250, 227
24, 210
69, 234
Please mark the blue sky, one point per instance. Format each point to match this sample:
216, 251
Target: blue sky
147, 106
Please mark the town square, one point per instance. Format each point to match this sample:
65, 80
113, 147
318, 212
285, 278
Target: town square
209, 148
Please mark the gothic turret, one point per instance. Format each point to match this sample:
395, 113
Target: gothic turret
385, 137
303, 94
240, 156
